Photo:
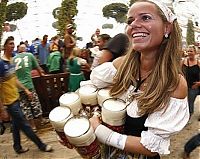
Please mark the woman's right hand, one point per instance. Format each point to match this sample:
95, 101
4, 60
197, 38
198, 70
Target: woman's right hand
95, 122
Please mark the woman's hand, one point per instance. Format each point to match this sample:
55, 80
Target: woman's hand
95, 122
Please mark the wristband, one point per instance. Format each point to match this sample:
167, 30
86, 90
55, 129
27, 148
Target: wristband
103, 133
109, 137
117, 140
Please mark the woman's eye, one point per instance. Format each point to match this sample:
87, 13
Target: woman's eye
146, 17
129, 21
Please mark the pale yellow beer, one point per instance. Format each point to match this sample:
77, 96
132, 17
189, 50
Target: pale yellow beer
72, 100
80, 133
114, 113
102, 95
58, 117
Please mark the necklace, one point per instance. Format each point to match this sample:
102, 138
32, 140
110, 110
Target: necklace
135, 92
140, 81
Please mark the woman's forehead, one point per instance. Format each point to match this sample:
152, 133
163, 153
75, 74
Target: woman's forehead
142, 7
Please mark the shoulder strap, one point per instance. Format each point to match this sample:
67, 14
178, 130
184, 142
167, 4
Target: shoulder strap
188, 62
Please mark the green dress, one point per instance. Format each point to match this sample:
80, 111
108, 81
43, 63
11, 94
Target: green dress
76, 75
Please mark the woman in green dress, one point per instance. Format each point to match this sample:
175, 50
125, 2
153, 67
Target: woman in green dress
74, 67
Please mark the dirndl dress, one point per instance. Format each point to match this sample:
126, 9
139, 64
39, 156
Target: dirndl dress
133, 127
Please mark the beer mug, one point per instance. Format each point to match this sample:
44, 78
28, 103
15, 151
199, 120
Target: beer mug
80, 133
102, 95
58, 117
88, 94
72, 100
114, 114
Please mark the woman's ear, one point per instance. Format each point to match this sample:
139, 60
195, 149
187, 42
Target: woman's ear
168, 28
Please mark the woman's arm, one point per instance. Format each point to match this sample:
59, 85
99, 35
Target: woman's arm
128, 143
133, 145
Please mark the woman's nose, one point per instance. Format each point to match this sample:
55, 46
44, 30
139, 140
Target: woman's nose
135, 24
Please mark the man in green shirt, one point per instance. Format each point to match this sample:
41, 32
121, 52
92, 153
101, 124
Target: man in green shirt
24, 63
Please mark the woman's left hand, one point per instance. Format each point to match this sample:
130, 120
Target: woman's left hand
95, 122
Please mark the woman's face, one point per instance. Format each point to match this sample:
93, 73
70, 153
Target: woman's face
100, 43
145, 27
84, 54
191, 52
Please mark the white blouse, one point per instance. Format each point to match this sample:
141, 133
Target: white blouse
161, 124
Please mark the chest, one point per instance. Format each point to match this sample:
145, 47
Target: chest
7, 70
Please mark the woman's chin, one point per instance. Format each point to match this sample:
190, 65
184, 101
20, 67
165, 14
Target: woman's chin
138, 47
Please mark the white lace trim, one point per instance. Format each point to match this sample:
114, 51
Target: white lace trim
155, 143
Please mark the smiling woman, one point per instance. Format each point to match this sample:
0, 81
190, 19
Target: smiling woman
150, 80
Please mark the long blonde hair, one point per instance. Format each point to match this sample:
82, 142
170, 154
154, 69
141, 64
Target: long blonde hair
164, 77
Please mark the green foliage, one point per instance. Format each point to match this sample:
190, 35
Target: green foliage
117, 11
56, 12
16, 11
190, 39
107, 26
66, 15
2, 17
131, 2
55, 25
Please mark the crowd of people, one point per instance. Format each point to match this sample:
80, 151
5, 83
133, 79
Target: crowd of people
143, 66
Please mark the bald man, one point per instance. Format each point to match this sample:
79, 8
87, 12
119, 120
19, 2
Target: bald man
24, 63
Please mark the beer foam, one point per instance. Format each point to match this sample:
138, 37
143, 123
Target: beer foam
68, 98
87, 89
114, 105
76, 127
59, 114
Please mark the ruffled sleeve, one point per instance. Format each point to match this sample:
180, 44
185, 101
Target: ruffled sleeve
162, 124
102, 75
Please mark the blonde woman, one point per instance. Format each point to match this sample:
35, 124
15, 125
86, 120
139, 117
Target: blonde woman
149, 79
191, 68
74, 64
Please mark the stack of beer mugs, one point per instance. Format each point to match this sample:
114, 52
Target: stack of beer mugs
74, 129
71, 118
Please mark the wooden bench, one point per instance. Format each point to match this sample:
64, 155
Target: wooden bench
49, 89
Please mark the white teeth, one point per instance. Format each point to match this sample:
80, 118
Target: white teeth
139, 35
